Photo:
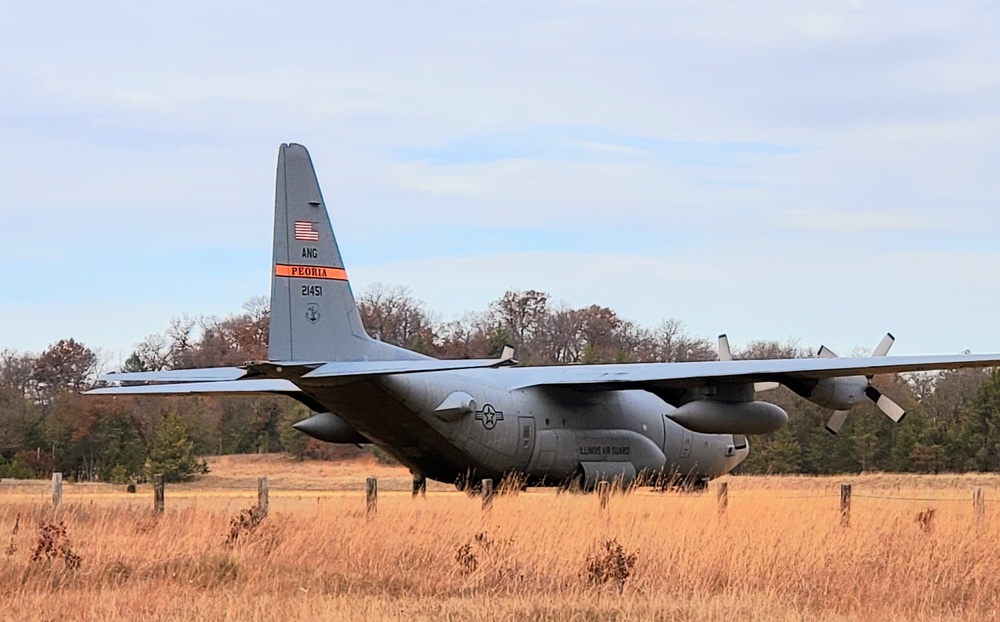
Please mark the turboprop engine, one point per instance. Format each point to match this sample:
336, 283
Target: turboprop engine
716, 417
842, 394
839, 393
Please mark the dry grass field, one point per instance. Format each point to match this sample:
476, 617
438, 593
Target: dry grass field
778, 552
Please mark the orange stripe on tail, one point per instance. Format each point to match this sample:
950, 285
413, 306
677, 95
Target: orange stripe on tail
310, 272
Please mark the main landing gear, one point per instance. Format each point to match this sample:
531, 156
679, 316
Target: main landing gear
419, 485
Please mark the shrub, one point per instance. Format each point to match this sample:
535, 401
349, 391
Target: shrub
610, 563
52, 543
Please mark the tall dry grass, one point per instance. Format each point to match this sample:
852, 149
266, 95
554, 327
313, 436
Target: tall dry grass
779, 552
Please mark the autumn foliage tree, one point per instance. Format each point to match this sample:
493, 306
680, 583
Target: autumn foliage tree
65, 366
46, 425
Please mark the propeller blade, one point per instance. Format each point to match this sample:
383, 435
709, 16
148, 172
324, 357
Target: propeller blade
825, 353
836, 421
725, 354
506, 356
883, 347
765, 386
891, 409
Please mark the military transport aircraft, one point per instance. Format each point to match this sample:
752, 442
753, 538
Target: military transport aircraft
463, 421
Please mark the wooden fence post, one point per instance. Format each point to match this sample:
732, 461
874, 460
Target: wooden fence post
722, 496
158, 494
845, 505
262, 501
604, 493
56, 490
371, 497
979, 503
487, 495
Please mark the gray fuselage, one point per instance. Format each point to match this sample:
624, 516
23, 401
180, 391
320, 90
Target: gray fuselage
548, 434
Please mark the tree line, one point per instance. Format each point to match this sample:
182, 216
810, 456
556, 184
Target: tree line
953, 421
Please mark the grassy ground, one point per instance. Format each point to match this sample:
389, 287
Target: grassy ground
778, 552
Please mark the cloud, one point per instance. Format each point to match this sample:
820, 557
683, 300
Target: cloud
776, 154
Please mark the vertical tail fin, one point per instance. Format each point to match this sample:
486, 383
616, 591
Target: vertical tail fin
313, 313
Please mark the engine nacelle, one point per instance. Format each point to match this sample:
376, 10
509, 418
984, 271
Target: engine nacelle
712, 417
838, 393
330, 428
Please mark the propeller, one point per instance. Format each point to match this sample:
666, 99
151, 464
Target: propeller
725, 354
891, 409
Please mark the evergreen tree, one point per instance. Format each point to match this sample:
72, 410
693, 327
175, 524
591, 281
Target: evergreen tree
172, 452
864, 433
827, 454
779, 452
908, 437
979, 435
134, 363
293, 441
785, 453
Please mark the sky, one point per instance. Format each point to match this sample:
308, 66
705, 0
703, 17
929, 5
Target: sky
818, 172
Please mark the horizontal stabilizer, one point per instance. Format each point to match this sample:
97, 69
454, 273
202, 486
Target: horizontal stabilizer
228, 387
207, 374
255, 376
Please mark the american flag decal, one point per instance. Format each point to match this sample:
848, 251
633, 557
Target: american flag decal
304, 231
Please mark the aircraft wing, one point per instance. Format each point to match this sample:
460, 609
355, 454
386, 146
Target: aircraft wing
693, 374
382, 368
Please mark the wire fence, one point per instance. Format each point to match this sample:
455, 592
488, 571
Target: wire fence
723, 496
896, 498
846, 497
834, 495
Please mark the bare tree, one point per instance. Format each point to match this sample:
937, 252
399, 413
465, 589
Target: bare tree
762, 349
152, 354
15, 374
181, 339
561, 337
635, 343
464, 338
946, 395
673, 344
394, 316
520, 316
